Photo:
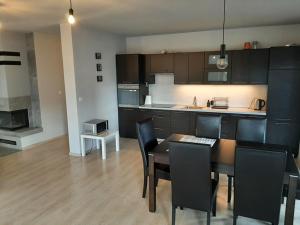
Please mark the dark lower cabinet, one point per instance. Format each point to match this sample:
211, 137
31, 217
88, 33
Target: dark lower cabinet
127, 122
228, 126
180, 122
284, 133
162, 123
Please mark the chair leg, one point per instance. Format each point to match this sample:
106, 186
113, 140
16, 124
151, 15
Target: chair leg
173, 214
214, 207
229, 189
234, 220
145, 186
208, 218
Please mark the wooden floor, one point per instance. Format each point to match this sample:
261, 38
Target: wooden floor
45, 185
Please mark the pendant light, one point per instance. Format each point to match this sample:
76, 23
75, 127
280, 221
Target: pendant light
71, 18
222, 62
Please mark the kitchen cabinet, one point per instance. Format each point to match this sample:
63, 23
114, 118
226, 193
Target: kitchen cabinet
250, 66
196, 67
162, 123
285, 57
127, 122
130, 69
228, 126
149, 77
180, 122
181, 68
161, 63
212, 74
284, 95
189, 68
284, 133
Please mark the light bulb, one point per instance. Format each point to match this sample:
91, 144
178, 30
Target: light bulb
71, 18
222, 63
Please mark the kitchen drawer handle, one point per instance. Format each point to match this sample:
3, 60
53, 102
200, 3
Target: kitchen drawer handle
129, 109
157, 128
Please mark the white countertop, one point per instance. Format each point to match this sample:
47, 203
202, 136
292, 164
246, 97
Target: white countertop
230, 110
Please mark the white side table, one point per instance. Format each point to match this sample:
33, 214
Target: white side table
101, 137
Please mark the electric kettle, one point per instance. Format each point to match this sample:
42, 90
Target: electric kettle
258, 104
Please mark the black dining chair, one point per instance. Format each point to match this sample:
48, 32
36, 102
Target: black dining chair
208, 126
258, 183
192, 186
248, 130
147, 142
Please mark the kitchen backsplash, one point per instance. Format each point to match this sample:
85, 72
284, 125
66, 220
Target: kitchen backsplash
165, 91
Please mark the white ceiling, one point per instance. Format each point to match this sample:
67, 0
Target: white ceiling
137, 17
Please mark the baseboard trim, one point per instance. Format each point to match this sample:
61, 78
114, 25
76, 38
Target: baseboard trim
74, 154
45, 142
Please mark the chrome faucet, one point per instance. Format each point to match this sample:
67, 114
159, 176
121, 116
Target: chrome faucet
195, 101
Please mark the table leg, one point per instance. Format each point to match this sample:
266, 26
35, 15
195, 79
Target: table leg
103, 149
97, 144
152, 186
117, 141
82, 140
290, 203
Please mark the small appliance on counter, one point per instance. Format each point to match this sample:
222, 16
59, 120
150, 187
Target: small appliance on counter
220, 103
257, 104
148, 100
95, 126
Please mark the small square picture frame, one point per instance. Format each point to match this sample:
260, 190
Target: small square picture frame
100, 78
99, 67
98, 55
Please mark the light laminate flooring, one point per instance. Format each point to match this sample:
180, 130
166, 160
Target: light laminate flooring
44, 185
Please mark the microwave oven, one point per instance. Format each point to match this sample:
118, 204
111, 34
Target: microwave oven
95, 126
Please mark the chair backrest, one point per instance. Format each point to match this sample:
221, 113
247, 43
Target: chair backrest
258, 182
208, 126
146, 138
190, 167
251, 130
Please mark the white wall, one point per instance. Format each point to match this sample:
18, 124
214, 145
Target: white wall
164, 91
50, 84
70, 88
99, 100
93, 100
211, 40
17, 77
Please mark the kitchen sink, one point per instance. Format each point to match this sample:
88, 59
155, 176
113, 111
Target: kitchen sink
193, 107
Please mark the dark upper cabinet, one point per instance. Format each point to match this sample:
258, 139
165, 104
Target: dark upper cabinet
196, 67
162, 63
284, 95
285, 57
127, 122
149, 77
181, 68
130, 68
180, 122
250, 66
212, 74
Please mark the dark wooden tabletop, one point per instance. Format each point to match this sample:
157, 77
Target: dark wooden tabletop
223, 155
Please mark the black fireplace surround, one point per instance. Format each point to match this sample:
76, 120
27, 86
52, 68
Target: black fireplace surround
14, 120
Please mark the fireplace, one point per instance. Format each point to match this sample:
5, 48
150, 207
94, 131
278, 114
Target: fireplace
14, 120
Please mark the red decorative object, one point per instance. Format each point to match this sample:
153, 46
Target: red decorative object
247, 45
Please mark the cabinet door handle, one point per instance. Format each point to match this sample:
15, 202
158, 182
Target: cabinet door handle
128, 109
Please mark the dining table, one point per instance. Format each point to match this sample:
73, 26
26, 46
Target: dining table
222, 162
